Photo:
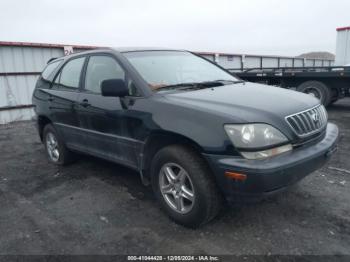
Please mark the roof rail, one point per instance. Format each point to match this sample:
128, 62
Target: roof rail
51, 59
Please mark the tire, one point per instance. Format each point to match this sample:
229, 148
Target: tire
198, 179
52, 139
318, 89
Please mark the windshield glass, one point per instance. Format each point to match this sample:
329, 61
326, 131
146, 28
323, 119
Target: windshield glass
167, 68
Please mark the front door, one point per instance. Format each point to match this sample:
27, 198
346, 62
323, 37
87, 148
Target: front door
103, 119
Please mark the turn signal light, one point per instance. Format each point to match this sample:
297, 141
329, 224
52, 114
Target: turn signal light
236, 176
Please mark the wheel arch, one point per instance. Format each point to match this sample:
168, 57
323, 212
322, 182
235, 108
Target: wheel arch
158, 140
42, 121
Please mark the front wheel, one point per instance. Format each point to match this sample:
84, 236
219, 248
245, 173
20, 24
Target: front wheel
184, 186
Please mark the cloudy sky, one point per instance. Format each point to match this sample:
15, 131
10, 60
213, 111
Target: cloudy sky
275, 27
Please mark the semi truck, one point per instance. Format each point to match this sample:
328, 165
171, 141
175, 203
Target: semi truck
327, 83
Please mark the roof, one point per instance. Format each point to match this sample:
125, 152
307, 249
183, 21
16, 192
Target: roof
91, 51
343, 28
139, 49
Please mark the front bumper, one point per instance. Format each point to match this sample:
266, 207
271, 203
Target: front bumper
265, 177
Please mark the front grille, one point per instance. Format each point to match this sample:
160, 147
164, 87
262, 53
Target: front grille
309, 121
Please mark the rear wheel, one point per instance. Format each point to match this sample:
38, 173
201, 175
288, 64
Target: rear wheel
56, 150
316, 89
184, 186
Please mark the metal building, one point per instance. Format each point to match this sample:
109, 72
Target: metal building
21, 64
342, 54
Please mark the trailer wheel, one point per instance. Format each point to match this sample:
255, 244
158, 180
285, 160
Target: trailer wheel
317, 89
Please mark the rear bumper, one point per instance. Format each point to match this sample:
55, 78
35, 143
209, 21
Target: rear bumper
265, 177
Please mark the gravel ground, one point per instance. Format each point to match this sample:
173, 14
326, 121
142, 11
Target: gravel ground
96, 207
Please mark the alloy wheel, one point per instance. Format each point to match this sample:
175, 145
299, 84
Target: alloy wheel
176, 188
52, 147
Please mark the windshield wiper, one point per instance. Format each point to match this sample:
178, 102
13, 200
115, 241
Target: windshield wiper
231, 81
200, 85
175, 86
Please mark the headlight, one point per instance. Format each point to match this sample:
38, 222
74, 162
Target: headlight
251, 136
267, 153
254, 135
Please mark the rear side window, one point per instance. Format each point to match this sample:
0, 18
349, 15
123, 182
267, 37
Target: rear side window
49, 69
101, 68
69, 77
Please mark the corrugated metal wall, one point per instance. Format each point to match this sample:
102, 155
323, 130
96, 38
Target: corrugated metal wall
26, 59
21, 64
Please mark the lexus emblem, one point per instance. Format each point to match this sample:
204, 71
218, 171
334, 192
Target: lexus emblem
315, 117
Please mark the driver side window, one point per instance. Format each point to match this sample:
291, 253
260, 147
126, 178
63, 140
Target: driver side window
100, 68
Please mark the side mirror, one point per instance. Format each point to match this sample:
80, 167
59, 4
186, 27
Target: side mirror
114, 87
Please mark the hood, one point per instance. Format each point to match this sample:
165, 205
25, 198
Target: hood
243, 103
246, 102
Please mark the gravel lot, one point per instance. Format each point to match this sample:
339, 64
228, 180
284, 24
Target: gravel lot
96, 207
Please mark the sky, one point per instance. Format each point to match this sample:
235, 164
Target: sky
266, 27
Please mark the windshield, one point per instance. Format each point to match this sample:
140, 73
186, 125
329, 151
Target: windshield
173, 68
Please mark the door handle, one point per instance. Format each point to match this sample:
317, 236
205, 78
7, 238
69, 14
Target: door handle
50, 99
85, 103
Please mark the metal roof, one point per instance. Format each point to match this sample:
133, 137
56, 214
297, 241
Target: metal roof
343, 28
29, 44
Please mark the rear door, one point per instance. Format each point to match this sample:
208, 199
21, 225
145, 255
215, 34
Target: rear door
41, 96
103, 119
63, 97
